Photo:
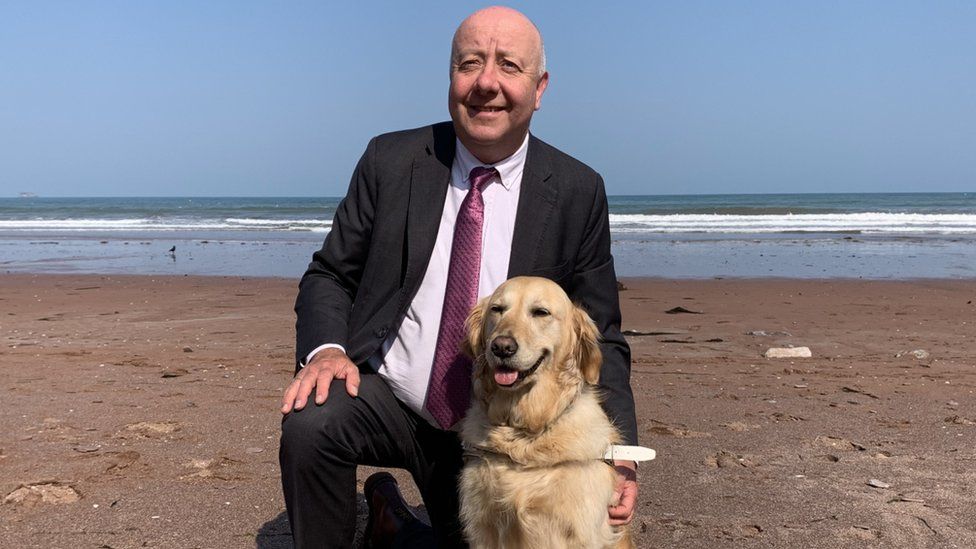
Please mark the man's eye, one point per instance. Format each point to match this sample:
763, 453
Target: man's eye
508, 66
467, 65
539, 311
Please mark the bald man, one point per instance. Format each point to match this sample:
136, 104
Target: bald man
371, 306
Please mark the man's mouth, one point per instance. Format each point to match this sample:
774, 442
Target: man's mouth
487, 109
509, 377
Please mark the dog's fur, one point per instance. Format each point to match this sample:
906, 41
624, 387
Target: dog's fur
533, 477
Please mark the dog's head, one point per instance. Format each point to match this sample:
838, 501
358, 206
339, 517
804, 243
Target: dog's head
529, 331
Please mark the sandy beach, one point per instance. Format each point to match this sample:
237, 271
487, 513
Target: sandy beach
141, 411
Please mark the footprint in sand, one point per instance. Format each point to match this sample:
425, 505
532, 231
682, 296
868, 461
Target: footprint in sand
742, 531
137, 361
672, 431
117, 461
220, 468
838, 444
780, 416
50, 492
150, 429
739, 426
959, 420
863, 533
679, 524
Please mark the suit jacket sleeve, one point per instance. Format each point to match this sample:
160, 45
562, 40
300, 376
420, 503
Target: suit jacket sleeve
595, 287
330, 284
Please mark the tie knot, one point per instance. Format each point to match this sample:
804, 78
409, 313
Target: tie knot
480, 176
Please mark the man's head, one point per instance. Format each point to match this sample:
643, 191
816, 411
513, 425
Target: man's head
498, 76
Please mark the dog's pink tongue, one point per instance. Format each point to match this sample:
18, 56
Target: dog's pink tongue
504, 376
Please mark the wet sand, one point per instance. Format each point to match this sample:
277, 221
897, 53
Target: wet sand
142, 411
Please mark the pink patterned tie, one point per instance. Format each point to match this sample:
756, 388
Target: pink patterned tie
449, 392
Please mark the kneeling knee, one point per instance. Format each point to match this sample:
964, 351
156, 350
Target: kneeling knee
317, 431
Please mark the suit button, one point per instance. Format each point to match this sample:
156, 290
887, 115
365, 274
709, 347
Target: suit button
381, 332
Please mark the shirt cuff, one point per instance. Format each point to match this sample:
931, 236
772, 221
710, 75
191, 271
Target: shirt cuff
315, 351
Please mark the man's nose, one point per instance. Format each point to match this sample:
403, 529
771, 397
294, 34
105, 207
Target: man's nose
504, 346
488, 79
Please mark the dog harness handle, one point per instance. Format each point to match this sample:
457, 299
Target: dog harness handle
629, 453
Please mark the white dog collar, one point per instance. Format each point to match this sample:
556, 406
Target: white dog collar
614, 452
629, 453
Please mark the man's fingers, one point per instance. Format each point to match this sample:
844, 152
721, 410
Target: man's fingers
320, 381
317, 376
322, 387
625, 492
623, 512
351, 374
347, 372
288, 400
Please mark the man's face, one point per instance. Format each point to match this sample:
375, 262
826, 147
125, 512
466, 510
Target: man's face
495, 82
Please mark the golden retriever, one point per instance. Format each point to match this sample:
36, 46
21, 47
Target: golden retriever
535, 434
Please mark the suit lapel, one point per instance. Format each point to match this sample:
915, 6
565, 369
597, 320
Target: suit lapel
537, 200
429, 180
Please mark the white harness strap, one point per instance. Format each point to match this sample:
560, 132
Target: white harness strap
614, 452
629, 453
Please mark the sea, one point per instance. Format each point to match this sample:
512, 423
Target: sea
869, 236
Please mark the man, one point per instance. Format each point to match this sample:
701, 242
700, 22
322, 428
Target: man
374, 323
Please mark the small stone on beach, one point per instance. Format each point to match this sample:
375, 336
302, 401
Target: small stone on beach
678, 310
875, 483
920, 354
903, 499
788, 352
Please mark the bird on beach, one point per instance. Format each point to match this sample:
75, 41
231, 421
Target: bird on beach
172, 250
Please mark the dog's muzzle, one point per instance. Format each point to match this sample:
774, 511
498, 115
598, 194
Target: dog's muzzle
509, 377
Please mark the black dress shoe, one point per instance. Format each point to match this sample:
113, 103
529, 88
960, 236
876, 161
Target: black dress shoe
388, 512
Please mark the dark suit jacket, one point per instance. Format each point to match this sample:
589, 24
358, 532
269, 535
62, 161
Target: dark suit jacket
363, 279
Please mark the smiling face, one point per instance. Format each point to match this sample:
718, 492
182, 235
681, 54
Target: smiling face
528, 329
497, 81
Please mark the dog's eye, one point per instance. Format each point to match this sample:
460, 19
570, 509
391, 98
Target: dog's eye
496, 308
539, 311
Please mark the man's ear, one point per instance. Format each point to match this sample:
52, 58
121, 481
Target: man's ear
588, 354
473, 345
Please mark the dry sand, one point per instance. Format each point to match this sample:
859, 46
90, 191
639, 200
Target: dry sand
142, 412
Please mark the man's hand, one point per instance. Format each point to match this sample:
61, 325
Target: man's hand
626, 492
326, 365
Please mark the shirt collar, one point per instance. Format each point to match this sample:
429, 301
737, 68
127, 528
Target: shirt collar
508, 168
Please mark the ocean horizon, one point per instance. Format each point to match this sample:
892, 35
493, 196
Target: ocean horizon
808, 235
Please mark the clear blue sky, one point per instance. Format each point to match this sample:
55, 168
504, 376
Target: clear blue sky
279, 98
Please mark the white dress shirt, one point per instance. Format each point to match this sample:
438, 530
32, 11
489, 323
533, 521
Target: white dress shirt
406, 358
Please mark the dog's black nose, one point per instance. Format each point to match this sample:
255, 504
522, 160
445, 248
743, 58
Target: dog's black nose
504, 346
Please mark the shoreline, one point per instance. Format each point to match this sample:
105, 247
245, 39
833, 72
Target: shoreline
8, 275
145, 408
286, 256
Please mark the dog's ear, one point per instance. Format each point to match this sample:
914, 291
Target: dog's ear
588, 352
473, 345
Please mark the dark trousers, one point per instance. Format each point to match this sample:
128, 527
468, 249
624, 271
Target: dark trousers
322, 445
